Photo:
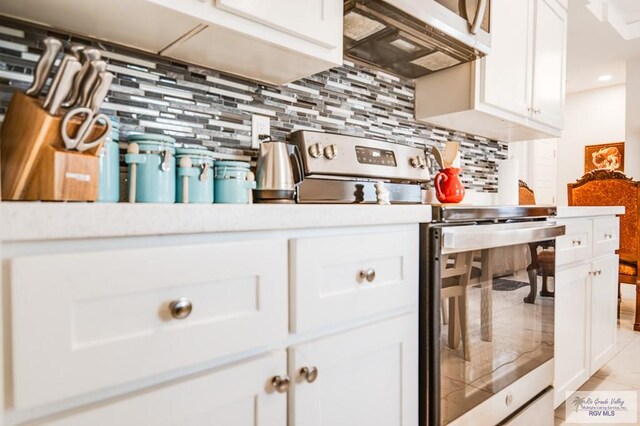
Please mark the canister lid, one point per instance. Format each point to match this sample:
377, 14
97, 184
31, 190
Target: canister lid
194, 150
151, 138
234, 164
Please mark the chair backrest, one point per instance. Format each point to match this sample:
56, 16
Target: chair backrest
610, 188
526, 197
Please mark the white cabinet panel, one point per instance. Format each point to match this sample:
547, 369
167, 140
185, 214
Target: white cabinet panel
319, 21
549, 63
571, 330
367, 376
145, 25
506, 72
240, 395
576, 244
326, 279
606, 235
104, 317
604, 303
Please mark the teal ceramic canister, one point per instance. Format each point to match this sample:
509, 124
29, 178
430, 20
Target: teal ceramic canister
154, 159
199, 175
231, 184
109, 166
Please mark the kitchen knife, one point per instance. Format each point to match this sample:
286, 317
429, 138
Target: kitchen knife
51, 48
76, 50
64, 79
86, 57
100, 91
56, 79
89, 82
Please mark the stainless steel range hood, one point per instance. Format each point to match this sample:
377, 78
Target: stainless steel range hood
413, 38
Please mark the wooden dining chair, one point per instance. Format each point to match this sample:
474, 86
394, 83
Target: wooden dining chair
526, 197
612, 188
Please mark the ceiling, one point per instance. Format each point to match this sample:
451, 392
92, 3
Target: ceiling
602, 35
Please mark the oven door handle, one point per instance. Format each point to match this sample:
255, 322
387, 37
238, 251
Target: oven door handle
456, 239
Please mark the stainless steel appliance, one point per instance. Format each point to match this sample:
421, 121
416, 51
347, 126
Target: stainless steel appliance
414, 38
487, 334
275, 180
344, 169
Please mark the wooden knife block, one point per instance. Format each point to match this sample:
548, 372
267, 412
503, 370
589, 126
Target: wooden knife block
35, 164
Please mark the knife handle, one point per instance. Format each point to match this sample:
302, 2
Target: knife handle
86, 56
51, 48
67, 74
89, 82
100, 91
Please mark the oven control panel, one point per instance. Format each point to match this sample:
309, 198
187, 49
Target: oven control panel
349, 156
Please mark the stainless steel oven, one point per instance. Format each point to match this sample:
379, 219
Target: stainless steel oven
487, 312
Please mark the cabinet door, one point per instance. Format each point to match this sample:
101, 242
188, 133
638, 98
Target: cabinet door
367, 376
549, 63
107, 318
571, 330
506, 72
319, 21
240, 395
604, 304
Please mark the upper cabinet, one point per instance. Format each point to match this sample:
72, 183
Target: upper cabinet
274, 42
514, 93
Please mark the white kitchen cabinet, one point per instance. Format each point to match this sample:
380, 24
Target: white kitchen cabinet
239, 395
604, 304
140, 24
116, 326
367, 376
549, 58
571, 360
514, 93
586, 300
344, 278
276, 41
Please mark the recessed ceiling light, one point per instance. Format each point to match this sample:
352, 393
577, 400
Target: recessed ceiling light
605, 77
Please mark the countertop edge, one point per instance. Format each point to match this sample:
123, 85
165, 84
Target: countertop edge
588, 211
39, 221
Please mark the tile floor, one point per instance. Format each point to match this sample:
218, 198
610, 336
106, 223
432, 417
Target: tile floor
623, 371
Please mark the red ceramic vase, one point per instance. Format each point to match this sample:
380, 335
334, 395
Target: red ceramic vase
449, 189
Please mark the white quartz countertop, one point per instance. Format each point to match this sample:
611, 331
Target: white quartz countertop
567, 212
34, 221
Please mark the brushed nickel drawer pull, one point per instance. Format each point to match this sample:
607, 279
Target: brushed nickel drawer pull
181, 308
608, 236
280, 384
310, 374
577, 242
369, 274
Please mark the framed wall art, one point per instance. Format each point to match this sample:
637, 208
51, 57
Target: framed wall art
609, 156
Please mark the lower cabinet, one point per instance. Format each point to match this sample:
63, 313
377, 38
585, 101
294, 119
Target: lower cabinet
240, 395
585, 324
571, 330
367, 376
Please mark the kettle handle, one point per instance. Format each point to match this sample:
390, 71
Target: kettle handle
437, 182
296, 161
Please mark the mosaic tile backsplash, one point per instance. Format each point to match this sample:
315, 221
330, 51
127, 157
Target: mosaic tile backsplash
154, 94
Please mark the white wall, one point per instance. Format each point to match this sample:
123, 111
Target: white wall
632, 143
593, 117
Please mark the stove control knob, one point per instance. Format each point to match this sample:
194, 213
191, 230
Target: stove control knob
315, 150
331, 152
417, 162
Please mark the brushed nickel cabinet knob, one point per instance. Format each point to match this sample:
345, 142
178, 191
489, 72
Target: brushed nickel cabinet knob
310, 374
181, 308
280, 384
367, 274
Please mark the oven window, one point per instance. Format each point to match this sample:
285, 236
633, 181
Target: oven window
497, 321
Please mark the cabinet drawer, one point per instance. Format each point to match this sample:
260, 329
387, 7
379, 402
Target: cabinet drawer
606, 235
240, 396
341, 278
576, 244
105, 317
